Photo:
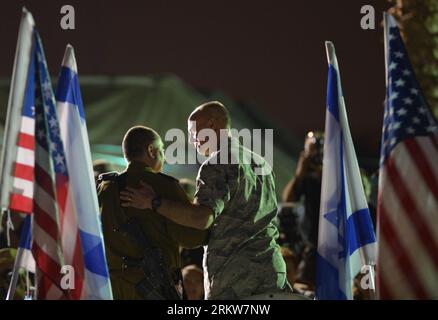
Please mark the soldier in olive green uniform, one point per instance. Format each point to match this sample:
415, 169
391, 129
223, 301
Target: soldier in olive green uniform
144, 151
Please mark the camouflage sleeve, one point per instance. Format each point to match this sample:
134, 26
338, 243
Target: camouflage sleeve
212, 188
185, 236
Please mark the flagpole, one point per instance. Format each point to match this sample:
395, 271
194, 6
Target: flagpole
15, 273
385, 43
330, 51
386, 54
12, 125
373, 290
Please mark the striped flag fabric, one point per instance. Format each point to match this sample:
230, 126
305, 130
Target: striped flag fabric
51, 183
346, 238
18, 151
64, 232
51, 194
81, 182
407, 209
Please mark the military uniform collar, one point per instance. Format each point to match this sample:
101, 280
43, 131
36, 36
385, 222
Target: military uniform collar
136, 166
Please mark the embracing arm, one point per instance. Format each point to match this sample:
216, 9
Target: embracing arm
212, 194
187, 214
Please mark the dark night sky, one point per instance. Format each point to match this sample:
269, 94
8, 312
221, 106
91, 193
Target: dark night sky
268, 53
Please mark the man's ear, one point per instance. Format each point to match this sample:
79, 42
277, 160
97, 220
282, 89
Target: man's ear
151, 151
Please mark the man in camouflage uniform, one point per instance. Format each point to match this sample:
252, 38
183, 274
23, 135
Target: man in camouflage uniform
238, 207
143, 149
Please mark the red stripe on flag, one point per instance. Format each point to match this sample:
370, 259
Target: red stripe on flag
23, 171
384, 293
43, 286
400, 255
46, 222
421, 227
26, 141
44, 180
422, 165
50, 268
61, 192
19, 203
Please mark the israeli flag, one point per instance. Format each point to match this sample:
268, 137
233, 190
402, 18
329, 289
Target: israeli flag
24, 246
24, 258
346, 239
77, 150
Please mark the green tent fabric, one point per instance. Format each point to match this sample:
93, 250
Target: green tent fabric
114, 104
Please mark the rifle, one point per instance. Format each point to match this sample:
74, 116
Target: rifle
158, 284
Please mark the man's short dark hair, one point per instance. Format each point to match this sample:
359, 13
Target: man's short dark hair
136, 141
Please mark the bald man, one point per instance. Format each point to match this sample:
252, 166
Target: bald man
238, 207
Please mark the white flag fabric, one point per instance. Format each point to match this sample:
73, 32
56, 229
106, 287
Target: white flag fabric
82, 184
346, 238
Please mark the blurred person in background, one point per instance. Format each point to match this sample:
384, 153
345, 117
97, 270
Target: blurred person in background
8, 255
307, 184
193, 279
289, 226
291, 264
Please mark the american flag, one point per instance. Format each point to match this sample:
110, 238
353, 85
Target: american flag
22, 191
18, 153
51, 196
19, 143
408, 183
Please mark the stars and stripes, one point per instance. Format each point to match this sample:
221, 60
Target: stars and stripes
51, 197
346, 239
65, 228
22, 192
408, 183
18, 151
